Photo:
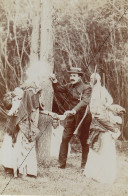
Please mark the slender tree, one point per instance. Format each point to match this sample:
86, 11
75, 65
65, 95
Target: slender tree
46, 59
35, 33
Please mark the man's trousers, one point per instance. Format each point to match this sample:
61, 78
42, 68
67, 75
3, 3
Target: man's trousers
70, 126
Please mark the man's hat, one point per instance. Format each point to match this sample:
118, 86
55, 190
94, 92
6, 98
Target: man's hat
75, 70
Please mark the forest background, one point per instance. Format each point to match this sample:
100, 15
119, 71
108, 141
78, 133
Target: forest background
85, 34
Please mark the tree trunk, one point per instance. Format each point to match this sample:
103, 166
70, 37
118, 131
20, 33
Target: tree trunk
46, 58
35, 33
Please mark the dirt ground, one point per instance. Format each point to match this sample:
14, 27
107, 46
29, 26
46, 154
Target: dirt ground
68, 181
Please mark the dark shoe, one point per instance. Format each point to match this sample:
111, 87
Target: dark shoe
62, 166
8, 170
82, 165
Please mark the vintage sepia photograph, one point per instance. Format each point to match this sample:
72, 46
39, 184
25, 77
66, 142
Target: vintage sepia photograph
63, 97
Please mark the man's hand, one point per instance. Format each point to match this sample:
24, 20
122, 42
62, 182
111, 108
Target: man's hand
69, 112
52, 77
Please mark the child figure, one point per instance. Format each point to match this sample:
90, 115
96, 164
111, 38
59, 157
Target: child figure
56, 136
57, 132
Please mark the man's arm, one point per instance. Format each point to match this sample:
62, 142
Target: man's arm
60, 88
85, 100
56, 86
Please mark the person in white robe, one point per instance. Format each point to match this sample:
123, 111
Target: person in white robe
9, 153
56, 137
18, 149
101, 163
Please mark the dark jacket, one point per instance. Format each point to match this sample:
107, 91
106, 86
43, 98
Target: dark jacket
78, 95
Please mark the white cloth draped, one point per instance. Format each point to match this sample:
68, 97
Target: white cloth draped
56, 139
101, 165
22, 154
8, 155
100, 99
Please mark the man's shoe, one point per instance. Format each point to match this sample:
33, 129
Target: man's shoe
61, 166
82, 167
81, 170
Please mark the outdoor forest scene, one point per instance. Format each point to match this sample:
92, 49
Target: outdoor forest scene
63, 97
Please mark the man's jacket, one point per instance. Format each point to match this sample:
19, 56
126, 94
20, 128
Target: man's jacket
78, 95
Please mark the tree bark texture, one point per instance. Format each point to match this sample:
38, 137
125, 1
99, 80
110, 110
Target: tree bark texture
46, 58
35, 33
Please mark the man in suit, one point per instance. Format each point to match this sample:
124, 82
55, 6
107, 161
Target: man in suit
78, 96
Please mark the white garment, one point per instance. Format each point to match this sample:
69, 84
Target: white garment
26, 155
100, 99
21, 155
101, 165
27, 150
56, 139
16, 101
8, 155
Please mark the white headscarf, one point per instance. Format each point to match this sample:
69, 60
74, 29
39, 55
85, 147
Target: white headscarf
101, 98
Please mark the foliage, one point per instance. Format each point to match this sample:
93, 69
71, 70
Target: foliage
95, 38
86, 34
